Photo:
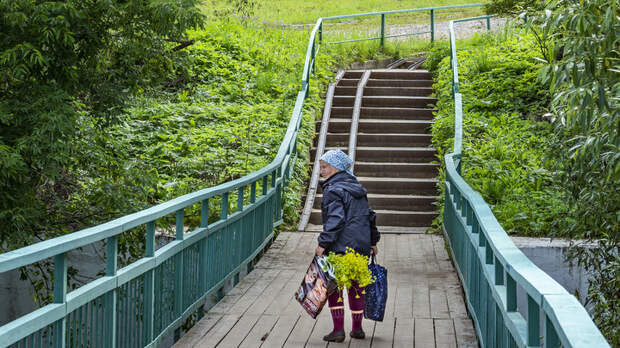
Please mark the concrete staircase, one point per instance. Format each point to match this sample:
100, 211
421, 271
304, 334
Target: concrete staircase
394, 160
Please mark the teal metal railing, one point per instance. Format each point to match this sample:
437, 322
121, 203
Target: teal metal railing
492, 268
383, 14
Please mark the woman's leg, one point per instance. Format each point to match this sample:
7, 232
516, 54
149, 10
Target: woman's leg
356, 303
336, 307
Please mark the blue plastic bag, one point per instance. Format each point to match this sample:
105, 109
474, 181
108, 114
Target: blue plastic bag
376, 293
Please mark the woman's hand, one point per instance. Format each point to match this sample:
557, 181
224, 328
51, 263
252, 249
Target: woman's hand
319, 250
374, 250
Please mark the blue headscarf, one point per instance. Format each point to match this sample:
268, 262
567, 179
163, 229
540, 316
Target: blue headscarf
338, 159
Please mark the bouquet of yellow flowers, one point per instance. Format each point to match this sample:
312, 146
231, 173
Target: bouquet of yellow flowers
350, 267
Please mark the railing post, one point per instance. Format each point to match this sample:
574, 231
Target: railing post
313, 55
488, 23
382, 30
321, 33
253, 192
240, 198
224, 214
432, 25
60, 296
149, 284
178, 273
511, 294
551, 337
499, 272
204, 223
110, 303
533, 322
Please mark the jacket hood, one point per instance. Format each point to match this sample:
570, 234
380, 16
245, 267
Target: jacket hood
346, 182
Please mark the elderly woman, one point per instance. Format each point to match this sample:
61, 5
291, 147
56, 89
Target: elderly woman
348, 221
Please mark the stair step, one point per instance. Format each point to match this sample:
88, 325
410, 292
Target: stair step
348, 82
388, 154
385, 101
345, 90
380, 139
403, 186
398, 83
374, 126
399, 101
384, 91
353, 74
401, 74
395, 154
398, 170
384, 113
397, 91
390, 217
394, 202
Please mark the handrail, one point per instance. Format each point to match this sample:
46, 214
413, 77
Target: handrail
355, 118
383, 14
491, 266
320, 147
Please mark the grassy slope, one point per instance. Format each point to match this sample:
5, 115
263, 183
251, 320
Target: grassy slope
300, 12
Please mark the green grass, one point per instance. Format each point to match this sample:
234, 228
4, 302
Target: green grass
298, 12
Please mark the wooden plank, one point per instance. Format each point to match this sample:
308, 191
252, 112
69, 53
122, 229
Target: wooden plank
322, 327
242, 328
444, 333
285, 294
417, 265
421, 304
430, 260
259, 332
465, 333
390, 303
218, 332
403, 332
456, 302
281, 331
384, 333
229, 300
254, 292
441, 254
439, 304
300, 333
271, 293
404, 305
369, 329
424, 333
198, 331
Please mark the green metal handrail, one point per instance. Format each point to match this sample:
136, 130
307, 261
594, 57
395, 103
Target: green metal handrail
383, 14
491, 266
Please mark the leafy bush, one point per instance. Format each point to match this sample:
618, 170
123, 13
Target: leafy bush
582, 41
65, 60
505, 145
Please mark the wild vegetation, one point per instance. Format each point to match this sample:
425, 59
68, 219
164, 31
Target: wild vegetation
506, 147
541, 124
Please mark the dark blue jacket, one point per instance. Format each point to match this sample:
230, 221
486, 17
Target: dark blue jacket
348, 221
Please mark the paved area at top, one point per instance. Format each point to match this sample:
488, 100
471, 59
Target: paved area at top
425, 304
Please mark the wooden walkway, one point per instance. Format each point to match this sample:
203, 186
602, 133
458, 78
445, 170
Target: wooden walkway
425, 303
